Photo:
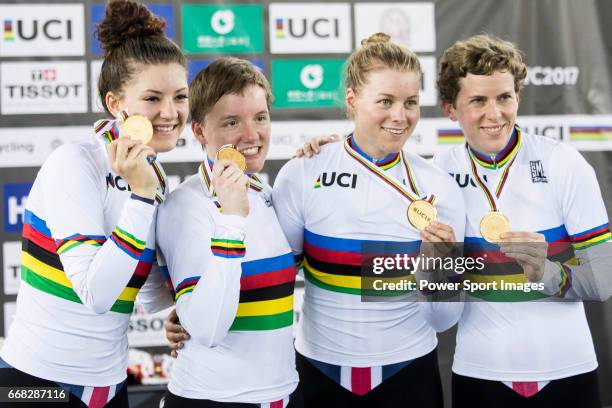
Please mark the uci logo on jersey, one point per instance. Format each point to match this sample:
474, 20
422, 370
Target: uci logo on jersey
463, 179
342, 179
116, 182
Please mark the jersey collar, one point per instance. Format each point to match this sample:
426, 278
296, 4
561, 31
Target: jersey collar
387, 162
503, 157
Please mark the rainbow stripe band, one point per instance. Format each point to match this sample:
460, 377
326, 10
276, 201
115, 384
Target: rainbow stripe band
107, 130
335, 264
385, 163
160, 194
590, 133
186, 286
128, 243
42, 268
299, 260
8, 30
73, 241
591, 237
450, 136
266, 294
566, 280
411, 180
227, 248
255, 183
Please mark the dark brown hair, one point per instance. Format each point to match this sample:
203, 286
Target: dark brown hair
226, 75
478, 55
130, 35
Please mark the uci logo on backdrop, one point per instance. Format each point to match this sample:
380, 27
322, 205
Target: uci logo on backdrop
42, 30
313, 27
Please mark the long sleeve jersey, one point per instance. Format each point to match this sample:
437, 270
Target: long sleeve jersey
88, 247
519, 335
332, 209
234, 280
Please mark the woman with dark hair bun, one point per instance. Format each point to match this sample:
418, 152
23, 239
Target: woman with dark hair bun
89, 230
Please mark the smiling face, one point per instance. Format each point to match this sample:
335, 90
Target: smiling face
242, 120
385, 110
158, 92
486, 108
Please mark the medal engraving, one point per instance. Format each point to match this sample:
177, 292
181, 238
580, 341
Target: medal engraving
421, 213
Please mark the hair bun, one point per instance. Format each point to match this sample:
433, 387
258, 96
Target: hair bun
376, 38
126, 19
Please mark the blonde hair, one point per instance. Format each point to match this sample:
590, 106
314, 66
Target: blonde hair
478, 55
378, 52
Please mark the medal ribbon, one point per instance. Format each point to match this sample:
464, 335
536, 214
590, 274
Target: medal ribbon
387, 179
107, 130
205, 171
504, 177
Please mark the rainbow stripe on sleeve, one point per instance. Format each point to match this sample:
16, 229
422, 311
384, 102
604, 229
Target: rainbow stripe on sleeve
127, 242
73, 241
42, 268
227, 248
591, 237
186, 286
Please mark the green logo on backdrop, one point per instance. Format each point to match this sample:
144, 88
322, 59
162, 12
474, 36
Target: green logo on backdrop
307, 83
222, 29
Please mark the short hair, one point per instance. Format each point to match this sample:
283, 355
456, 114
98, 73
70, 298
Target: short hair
378, 52
478, 55
130, 34
226, 75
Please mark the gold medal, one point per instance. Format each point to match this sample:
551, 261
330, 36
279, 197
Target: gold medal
492, 225
137, 127
421, 213
229, 152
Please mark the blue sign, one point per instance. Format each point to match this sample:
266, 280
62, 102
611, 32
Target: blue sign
14, 197
165, 11
196, 66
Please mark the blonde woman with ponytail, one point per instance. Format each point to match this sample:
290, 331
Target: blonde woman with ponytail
350, 200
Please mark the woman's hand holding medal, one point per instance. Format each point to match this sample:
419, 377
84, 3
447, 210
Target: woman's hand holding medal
529, 249
230, 183
128, 158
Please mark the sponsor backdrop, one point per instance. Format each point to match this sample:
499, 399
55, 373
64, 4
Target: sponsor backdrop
50, 62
